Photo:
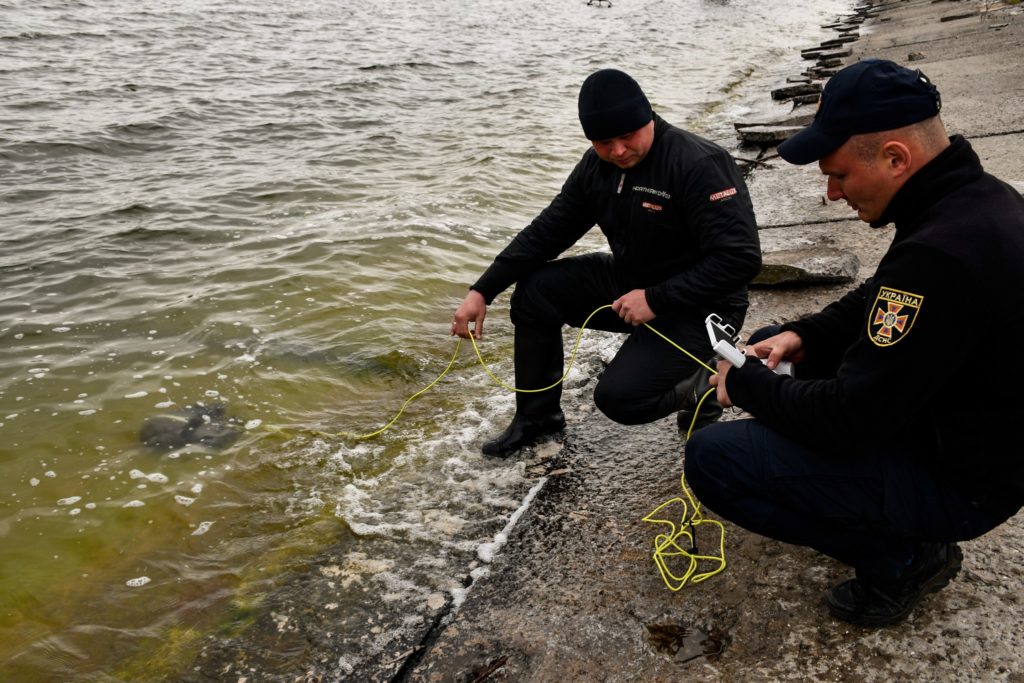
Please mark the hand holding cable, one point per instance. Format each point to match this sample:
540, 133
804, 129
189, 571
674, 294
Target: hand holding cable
473, 308
632, 308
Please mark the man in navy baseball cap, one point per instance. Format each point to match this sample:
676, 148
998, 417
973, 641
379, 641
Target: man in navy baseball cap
866, 97
861, 453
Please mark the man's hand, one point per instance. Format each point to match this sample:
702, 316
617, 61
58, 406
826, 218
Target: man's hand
473, 308
718, 381
784, 346
632, 307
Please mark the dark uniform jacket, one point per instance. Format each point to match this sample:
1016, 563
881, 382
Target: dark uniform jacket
921, 359
680, 225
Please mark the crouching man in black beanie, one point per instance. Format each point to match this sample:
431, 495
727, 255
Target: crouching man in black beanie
679, 221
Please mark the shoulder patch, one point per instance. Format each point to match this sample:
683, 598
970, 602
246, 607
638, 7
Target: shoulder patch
894, 315
724, 194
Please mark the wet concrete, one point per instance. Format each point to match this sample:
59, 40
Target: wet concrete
575, 595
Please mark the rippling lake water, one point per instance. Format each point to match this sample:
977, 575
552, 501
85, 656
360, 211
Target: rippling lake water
276, 207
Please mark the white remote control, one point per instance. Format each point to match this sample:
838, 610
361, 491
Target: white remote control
723, 341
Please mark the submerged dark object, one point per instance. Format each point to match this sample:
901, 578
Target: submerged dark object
200, 424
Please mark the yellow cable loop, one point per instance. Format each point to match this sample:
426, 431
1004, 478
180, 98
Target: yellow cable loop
666, 545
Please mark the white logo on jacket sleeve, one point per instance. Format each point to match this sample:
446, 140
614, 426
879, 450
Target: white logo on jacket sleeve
723, 194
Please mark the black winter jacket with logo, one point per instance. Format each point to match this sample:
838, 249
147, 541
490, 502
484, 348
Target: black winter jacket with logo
680, 225
919, 360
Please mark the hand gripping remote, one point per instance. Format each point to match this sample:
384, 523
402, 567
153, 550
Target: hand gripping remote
723, 339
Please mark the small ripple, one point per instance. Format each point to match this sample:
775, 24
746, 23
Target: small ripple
393, 66
45, 36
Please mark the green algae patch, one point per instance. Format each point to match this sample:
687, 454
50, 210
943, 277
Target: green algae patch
166, 659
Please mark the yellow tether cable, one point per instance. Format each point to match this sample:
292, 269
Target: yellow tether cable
666, 545
483, 363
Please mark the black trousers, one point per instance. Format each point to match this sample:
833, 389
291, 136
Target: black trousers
640, 384
866, 511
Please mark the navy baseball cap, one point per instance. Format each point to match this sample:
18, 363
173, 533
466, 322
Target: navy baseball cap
866, 97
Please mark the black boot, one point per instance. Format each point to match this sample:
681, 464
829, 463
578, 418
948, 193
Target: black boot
523, 432
691, 390
538, 358
884, 603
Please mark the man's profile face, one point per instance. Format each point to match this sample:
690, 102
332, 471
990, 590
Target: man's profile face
866, 185
626, 151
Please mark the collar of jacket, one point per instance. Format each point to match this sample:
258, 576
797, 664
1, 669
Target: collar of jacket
954, 167
660, 126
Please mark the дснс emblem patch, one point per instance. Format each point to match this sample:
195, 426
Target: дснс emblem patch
894, 315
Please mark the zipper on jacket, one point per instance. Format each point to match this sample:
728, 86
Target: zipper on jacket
622, 180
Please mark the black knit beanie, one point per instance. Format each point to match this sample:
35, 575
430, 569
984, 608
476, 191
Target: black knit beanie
612, 104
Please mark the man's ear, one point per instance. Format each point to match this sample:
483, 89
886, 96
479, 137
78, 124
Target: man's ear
898, 158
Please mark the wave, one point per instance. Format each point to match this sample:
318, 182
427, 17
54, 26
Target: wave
91, 145
42, 35
397, 66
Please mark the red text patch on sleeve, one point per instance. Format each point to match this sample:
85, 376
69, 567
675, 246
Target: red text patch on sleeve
723, 194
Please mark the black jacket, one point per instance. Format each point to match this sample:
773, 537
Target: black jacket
680, 224
923, 353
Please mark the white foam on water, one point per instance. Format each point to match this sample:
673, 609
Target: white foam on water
137, 394
155, 477
458, 596
487, 551
69, 501
133, 504
459, 593
385, 530
202, 528
138, 581
184, 500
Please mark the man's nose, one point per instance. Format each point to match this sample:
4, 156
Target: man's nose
834, 192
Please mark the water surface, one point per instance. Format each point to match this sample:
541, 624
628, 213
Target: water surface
277, 208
